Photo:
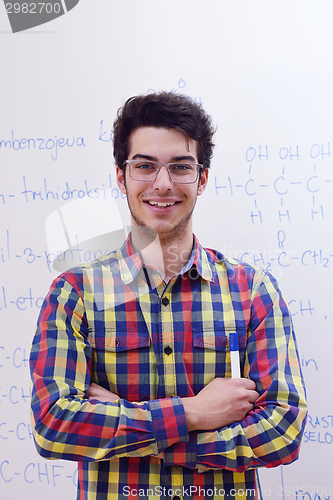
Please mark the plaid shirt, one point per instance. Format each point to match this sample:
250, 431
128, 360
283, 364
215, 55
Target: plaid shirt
117, 323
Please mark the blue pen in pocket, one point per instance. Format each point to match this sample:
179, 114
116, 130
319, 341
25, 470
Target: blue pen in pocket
234, 355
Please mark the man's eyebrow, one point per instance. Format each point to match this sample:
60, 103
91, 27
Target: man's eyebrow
182, 158
140, 156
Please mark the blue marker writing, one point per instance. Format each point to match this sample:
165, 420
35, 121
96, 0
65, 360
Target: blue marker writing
234, 355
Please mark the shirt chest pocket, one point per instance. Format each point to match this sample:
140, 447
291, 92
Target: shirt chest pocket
121, 361
211, 354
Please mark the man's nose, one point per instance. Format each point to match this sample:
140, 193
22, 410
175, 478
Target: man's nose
163, 180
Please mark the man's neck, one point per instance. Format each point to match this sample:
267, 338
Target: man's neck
168, 255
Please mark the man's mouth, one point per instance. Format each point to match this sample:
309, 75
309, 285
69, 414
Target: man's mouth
161, 204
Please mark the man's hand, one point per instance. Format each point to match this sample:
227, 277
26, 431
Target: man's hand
222, 402
97, 392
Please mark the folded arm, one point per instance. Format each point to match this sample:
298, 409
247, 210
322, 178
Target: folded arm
69, 424
269, 434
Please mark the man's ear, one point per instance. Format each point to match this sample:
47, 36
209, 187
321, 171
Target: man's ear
203, 181
120, 176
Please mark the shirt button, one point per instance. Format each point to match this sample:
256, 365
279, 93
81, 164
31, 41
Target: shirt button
165, 301
168, 351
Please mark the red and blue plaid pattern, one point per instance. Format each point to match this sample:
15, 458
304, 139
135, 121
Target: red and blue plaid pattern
117, 323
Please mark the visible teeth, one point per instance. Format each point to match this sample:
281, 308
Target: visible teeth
160, 204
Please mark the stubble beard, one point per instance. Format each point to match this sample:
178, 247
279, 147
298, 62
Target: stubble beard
177, 233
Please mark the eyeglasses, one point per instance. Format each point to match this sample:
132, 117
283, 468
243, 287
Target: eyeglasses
182, 173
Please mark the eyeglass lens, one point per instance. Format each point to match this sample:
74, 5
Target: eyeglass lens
179, 172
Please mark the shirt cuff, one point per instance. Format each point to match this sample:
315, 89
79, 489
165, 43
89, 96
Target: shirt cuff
184, 454
169, 422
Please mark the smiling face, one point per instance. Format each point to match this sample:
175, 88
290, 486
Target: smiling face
161, 204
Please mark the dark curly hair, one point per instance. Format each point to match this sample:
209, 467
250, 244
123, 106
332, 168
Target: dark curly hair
167, 110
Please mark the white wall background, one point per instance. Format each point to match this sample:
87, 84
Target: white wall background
264, 70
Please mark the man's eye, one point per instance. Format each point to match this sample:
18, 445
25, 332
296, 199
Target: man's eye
181, 167
145, 166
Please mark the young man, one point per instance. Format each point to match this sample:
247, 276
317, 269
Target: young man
131, 362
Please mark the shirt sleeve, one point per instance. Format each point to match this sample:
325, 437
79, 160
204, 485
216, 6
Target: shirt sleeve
66, 424
270, 435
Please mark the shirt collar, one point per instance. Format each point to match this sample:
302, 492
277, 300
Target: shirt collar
204, 266
130, 263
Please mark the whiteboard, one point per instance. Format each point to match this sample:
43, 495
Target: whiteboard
263, 70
